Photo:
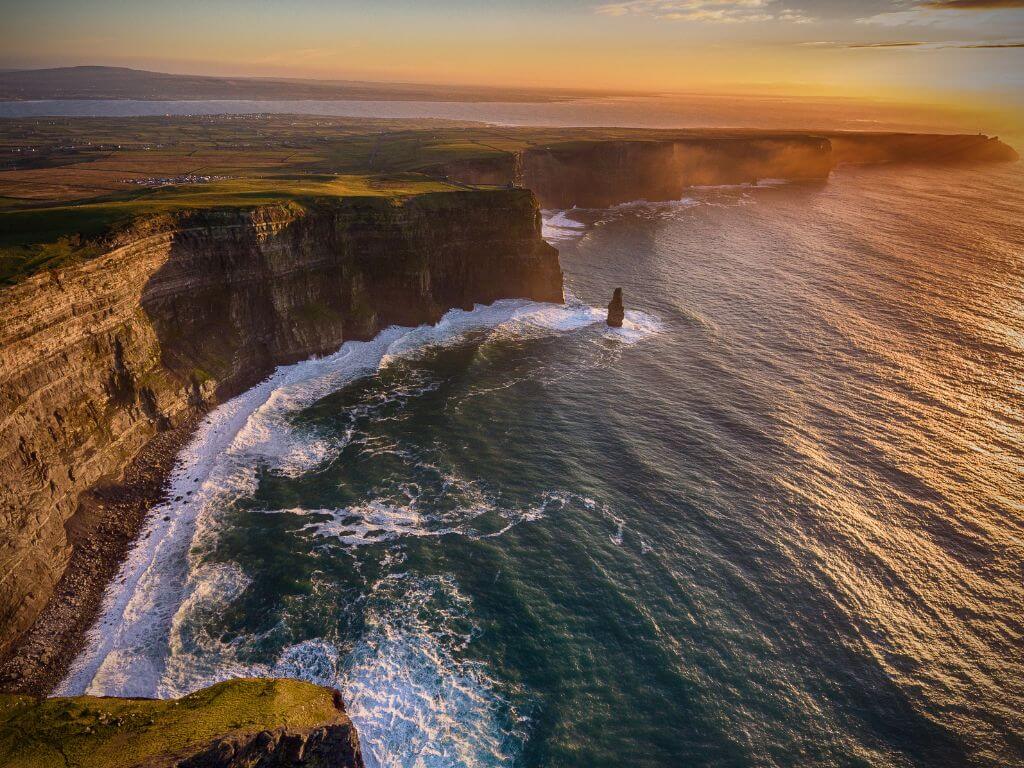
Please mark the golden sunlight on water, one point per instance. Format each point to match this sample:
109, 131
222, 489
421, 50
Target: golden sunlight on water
937, 327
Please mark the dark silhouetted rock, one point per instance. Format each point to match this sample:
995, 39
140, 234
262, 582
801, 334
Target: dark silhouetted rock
329, 746
616, 312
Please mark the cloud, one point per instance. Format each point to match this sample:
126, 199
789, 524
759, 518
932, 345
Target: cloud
941, 13
906, 44
721, 11
901, 18
915, 44
972, 5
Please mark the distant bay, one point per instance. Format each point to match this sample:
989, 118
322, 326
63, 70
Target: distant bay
668, 111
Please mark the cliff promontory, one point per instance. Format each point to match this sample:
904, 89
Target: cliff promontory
597, 174
237, 724
184, 310
602, 173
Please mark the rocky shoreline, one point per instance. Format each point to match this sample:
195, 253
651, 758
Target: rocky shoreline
107, 366
109, 519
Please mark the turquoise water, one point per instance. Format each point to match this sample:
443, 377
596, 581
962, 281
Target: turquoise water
776, 520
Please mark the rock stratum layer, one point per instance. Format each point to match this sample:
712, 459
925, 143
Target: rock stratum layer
598, 174
181, 312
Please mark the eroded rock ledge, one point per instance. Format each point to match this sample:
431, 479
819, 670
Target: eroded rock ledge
185, 311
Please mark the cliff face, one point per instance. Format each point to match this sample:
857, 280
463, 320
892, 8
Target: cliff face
615, 172
326, 746
600, 174
95, 360
932, 149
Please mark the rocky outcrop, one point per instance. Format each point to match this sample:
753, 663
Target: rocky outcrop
181, 312
616, 311
327, 746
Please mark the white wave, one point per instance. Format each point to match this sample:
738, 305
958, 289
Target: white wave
636, 326
685, 202
557, 226
164, 578
196, 657
387, 519
745, 185
414, 702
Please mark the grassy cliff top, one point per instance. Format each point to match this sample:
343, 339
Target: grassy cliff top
115, 733
67, 182
36, 237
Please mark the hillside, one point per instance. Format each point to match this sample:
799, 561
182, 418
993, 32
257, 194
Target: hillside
91, 82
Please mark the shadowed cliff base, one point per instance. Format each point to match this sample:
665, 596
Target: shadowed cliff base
100, 533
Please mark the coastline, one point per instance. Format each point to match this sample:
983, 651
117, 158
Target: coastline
42, 656
100, 355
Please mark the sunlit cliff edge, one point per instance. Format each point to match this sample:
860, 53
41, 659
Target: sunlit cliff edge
235, 724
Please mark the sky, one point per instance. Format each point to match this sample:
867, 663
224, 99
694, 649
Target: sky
940, 51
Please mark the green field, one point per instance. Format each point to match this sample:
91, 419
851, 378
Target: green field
66, 183
116, 733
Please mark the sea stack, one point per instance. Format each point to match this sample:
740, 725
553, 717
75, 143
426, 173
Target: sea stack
616, 312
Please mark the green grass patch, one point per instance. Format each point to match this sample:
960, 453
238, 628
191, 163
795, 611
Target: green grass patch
47, 237
118, 733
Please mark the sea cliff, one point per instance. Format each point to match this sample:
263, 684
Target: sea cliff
855, 148
106, 364
102, 360
598, 174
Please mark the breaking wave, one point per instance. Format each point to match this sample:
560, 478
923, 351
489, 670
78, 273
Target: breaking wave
566, 226
409, 694
558, 225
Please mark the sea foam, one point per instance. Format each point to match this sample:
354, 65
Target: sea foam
411, 699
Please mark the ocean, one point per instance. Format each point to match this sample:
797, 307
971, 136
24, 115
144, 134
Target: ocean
775, 520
